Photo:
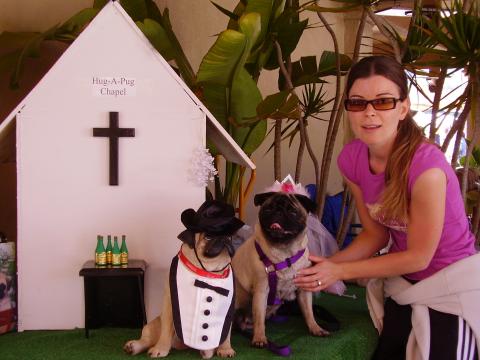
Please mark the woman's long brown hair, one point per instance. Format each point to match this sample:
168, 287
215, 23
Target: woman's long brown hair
395, 199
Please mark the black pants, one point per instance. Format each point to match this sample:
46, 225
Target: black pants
449, 335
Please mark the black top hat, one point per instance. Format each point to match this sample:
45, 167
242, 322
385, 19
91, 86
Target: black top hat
213, 217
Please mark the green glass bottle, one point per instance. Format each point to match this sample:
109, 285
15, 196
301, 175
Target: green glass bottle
109, 250
100, 253
116, 253
124, 252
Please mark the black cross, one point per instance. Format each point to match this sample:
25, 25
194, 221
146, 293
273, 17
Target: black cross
113, 132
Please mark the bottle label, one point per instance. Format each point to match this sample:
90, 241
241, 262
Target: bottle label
116, 259
124, 258
101, 258
109, 257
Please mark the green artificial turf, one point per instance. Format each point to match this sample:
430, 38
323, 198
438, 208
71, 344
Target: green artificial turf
356, 339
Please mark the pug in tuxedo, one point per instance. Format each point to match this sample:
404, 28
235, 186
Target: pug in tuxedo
198, 301
276, 251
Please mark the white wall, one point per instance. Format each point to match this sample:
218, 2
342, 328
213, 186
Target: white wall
63, 186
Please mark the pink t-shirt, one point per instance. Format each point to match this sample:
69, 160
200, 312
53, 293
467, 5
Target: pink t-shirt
456, 241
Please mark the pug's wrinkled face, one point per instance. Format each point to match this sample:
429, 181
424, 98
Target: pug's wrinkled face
282, 218
213, 245
215, 252
208, 246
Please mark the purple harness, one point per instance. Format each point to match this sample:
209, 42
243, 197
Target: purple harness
272, 274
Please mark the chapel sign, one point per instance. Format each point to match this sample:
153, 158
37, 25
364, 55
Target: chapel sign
116, 86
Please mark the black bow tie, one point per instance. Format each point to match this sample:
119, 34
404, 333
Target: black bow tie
204, 285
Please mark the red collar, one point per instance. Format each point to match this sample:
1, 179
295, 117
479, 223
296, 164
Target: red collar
202, 272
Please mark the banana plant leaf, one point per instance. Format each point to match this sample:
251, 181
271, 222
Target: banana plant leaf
215, 99
229, 91
230, 107
186, 70
219, 64
158, 38
234, 108
269, 11
245, 97
158, 29
277, 24
228, 54
263, 8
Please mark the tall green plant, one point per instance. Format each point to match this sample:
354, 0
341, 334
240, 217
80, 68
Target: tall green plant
291, 115
231, 94
231, 91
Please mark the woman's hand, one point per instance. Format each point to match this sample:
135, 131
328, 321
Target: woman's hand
319, 276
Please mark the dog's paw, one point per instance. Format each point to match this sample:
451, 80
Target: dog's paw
316, 330
259, 341
132, 347
226, 353
156, 352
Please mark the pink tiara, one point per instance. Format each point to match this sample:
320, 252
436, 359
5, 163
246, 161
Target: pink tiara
287, 186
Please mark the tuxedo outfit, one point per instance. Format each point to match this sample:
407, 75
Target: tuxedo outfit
202, 303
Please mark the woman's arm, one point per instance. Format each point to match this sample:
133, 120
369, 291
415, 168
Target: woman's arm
371, 239
426, 218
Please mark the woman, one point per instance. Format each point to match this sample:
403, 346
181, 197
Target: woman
405, 191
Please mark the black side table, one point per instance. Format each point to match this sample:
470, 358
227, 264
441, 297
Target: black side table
114, 295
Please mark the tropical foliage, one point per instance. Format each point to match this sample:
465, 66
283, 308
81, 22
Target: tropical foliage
262, 35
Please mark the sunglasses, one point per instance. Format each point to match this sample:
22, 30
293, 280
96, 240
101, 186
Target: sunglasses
387, 103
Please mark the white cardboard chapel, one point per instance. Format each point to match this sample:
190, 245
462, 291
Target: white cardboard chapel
63, 194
